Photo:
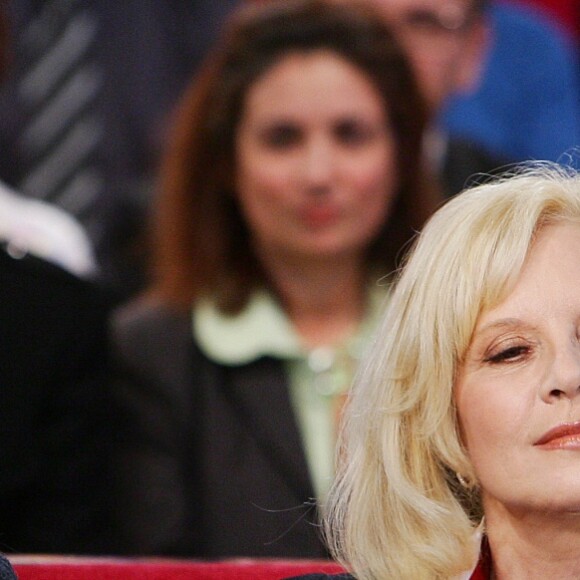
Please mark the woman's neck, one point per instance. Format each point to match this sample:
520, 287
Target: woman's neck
531, 545
324, 299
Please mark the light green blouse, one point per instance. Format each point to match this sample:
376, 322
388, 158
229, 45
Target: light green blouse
318, 378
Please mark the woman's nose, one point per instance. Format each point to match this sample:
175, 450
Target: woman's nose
319, 165
564, 381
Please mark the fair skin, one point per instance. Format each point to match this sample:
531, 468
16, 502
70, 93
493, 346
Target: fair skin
518, 399
315, 181
445, 47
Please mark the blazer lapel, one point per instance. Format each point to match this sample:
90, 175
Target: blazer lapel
260, 392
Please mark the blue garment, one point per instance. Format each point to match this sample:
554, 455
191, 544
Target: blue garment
528, 105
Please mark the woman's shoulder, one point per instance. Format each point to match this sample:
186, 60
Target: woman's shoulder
144, 318
144, 333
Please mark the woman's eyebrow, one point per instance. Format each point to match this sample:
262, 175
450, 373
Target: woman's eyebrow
503, 324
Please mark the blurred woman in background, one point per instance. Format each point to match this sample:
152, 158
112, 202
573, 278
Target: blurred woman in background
293, 183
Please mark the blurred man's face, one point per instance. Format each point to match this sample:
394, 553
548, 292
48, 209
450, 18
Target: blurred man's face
445, 40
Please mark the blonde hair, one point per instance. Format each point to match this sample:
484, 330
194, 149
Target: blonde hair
396, 509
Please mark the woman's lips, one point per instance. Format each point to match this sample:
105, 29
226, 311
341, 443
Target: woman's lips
320, 216
565, 436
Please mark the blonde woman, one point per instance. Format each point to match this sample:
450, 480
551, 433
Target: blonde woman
461, 446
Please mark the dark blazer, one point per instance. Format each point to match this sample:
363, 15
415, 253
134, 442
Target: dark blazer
53, 441
210, 461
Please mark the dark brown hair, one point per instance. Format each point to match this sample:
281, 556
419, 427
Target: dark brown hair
202, 244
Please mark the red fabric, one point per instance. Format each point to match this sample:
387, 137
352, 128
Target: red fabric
479, 573
483, 569
69, 568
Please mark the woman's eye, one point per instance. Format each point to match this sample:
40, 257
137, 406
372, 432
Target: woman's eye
353, 132
510, 354
281, 136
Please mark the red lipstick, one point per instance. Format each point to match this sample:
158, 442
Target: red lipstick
565, 436
319, 216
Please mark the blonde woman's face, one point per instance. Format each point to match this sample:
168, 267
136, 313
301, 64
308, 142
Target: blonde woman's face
518, 393
315, 158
